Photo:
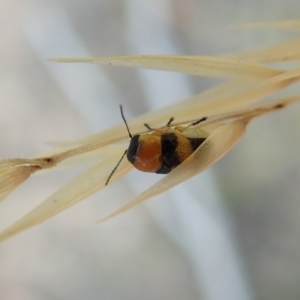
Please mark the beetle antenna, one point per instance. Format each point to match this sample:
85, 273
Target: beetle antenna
130, 135
122, 114
115, 168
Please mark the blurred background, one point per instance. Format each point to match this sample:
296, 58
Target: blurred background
232, 232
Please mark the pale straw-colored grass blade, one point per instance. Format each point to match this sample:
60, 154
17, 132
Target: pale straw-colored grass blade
13, 172
254, 93
209, 99
288, 24
11, 178
208, 66
253, 110
287, 51
213, 149
208, 103
288, 75
90, 157
76, 190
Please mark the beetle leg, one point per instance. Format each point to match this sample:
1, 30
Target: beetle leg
197, 122
170, 121
167, 125
148, 127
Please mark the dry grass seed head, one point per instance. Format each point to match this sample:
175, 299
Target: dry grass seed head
231, 102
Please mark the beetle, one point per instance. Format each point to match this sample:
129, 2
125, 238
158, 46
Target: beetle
163, 149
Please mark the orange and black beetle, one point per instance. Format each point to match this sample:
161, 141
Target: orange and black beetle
164, 149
